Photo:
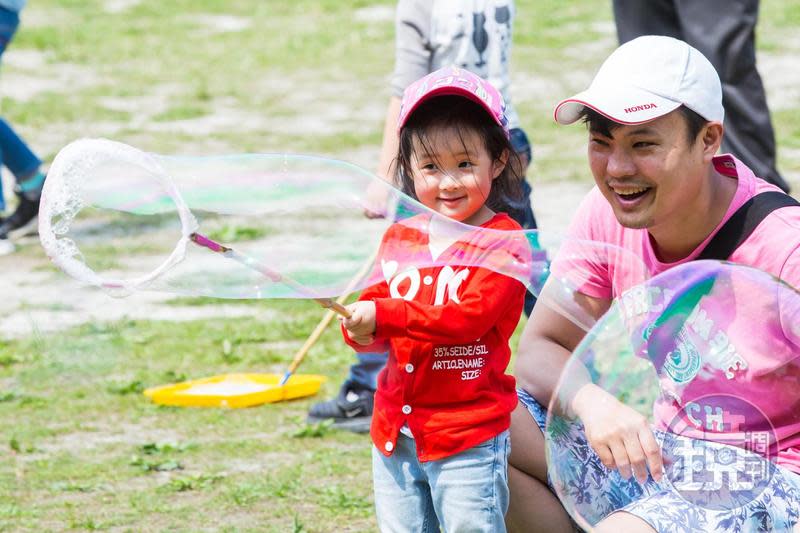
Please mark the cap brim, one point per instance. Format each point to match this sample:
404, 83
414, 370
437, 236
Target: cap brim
449, 91
624, 105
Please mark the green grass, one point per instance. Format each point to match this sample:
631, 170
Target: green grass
181, 112
286, 60
90, 440
93, 450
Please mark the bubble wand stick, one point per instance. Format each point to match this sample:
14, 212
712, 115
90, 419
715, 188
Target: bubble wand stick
327, 303
315, 335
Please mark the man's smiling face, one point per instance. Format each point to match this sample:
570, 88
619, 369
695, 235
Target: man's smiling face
650, 173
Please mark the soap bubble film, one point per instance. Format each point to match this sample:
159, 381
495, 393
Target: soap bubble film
708, 353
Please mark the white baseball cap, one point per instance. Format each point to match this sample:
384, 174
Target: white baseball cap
646, 78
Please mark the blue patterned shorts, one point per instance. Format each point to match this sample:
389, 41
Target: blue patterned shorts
596, 491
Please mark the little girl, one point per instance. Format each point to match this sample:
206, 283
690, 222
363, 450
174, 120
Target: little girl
443, 404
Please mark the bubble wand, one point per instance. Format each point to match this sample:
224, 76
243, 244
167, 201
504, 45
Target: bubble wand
310, 237
315, 335
206, 242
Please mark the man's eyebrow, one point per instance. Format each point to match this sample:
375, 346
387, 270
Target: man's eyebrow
642, 131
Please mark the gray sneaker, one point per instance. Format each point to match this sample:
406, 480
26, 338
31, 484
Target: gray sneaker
351, 410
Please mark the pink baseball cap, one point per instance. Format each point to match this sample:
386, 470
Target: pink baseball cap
453, 81
646, 78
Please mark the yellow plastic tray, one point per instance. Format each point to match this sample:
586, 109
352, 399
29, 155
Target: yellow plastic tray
235, 390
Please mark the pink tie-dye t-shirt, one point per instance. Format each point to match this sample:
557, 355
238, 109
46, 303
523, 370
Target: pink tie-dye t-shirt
762, 370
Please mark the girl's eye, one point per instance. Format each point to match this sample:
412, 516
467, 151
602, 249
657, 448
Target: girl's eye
465, 164
429, 167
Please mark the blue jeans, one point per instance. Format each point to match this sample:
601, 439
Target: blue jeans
464, 492
14, 153
522, 146
524, 216
364, 374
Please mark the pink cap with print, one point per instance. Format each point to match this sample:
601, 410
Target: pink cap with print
453, 81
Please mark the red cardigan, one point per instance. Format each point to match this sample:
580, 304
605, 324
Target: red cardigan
445, 376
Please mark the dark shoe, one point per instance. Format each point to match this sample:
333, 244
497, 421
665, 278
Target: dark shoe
351, 410
23, 221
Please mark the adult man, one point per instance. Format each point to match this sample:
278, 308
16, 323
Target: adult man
654, 113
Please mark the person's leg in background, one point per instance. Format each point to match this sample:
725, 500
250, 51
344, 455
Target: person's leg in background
725, 32
25, 167
522, 146
352, 408
524, 216
18, 158
534, 506
6, 246
635, 18
8, 25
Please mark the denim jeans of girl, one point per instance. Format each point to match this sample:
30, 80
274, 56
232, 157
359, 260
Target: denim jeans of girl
467, 491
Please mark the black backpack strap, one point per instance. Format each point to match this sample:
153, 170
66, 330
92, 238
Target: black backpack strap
743, 222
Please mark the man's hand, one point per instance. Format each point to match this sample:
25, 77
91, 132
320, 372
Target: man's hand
620, 436
361, 324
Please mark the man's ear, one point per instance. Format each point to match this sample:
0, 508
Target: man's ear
499, 164
711, 137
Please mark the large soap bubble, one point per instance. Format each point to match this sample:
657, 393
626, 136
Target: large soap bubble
267, 226
297, 223
708, 353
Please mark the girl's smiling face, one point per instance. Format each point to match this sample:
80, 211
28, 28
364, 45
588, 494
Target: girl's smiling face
452, 173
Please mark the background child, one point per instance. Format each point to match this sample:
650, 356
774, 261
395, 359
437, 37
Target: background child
443, 404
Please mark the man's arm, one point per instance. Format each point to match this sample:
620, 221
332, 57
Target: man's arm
550, 337
620, 436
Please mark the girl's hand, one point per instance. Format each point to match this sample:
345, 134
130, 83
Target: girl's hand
619, 435
361, 324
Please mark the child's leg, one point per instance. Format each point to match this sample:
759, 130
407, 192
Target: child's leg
470, 489
402, 495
